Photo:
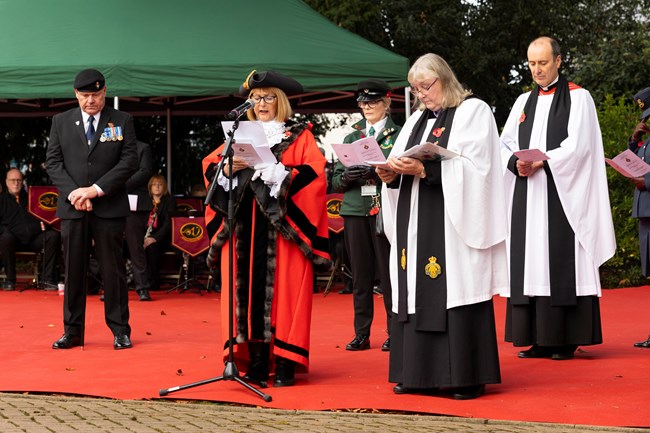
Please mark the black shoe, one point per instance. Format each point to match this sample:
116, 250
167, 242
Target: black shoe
143, 295
400, 389
562, 353
346, 291
644, 344
68, 341
285, 371
468, 392
257, 371
9, 286
386, 346
122, 341
377, 290
562, 356
535, 352
360, 342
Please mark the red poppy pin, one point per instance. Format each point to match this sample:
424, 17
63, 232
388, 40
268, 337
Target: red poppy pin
522, 117
438, 131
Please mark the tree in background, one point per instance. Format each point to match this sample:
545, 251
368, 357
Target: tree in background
485, 41
606, 49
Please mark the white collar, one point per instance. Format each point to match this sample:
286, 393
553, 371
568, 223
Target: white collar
274, 131
379, 126
554, 81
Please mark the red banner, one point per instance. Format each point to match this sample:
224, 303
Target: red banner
186, 204
189, 235
42, 203
334, 218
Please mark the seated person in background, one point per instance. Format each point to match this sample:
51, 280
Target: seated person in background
198, 191
159, 227
21, 231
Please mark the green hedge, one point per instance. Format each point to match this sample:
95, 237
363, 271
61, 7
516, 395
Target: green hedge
618, 118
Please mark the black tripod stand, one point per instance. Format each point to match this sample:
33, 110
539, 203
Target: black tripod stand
37, 282
230, 371
187, 280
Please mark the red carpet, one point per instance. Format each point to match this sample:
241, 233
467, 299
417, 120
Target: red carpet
176, 342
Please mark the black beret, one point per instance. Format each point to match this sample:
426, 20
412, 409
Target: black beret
256, 80
89, 80
372, 89
642, 99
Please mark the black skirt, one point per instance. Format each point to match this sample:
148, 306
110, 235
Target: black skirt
546, 325
465, 355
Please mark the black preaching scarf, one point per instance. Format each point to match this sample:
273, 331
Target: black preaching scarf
431, 303
561, 236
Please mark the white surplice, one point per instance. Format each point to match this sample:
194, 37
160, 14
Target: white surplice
475, 219
578, 168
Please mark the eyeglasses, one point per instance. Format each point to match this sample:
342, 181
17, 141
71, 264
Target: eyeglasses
415, 90
269, 99
369, 104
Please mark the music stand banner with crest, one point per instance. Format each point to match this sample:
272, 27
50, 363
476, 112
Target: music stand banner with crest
334, 218
187, 204
189, 235
42, 202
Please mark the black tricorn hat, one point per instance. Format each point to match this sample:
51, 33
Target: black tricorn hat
642, 99
373, 89
256, 80
89, 80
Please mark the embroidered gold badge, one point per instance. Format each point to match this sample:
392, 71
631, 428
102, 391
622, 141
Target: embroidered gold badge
402, 260
433, 269
640, 102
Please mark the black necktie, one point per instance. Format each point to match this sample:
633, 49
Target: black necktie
90, 133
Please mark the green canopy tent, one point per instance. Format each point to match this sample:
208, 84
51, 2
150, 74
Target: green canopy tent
171, 57
169, 48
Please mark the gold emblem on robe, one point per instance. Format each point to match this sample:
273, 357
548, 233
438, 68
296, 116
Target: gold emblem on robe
433, 269
402, 260
640, 102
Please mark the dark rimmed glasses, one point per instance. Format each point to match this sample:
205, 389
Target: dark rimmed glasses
269, 99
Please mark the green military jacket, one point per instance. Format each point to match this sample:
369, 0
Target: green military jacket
354, 204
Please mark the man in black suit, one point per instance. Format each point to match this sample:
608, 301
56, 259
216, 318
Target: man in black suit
91, 154
136, 222
21, 231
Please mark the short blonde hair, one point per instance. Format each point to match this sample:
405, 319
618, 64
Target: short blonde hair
283, 111
431, 66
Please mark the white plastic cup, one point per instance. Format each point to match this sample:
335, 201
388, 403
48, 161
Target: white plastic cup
61, 289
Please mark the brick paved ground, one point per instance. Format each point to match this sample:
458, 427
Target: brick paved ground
48, 414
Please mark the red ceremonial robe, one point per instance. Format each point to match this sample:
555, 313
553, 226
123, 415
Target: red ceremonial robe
294, 230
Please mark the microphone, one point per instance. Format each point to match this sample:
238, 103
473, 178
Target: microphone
237, 112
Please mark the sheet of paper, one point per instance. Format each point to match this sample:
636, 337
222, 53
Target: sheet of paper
429, 152
133, 202
531, 155
629, 164
250, 143
365, 151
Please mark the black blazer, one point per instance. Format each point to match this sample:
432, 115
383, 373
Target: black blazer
72, 164
139, 182
164, 212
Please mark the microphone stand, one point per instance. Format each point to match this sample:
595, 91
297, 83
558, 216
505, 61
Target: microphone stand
230, 371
